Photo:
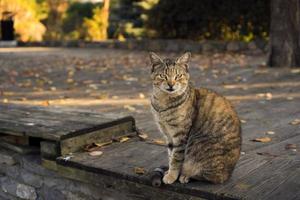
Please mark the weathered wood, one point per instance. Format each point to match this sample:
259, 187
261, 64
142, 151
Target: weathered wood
127, 189
252, 178
14, 139
76, 141
51, 124
22, 149
50, 149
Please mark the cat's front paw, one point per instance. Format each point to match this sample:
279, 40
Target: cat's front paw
170, 178
184, 179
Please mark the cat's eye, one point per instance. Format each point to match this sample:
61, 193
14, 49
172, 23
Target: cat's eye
161, 76
178, 77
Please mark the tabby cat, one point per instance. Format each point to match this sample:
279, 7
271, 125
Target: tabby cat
201, 128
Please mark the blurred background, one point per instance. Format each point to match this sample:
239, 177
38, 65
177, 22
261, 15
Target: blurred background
98, 20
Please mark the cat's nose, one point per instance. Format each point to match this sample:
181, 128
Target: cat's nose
171, 83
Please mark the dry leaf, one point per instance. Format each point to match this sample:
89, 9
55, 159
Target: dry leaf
143, 136
270, 132
139, 170
124, 139
295, 71
291, 146
142, 96
295, 122
96, 153
262, 139
96, 146
45, 103
103, 143
130, 108
53, 88
158, 141
266, 154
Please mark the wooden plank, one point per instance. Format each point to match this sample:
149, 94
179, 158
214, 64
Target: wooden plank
103, 133
120, 159
50, 149
49, 123
288, 189
253, 174
22, 149
126, 189
263, 180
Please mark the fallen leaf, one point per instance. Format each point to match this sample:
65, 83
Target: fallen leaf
295, 71
266, 154
103, 143
269, 96
291, 146
95, 153
243, 121
130, 108
158, 141
96, 146
139, 170
45, 103
262, 139
270, 132
295, 122
142, 96
124, 139
53, 88
143, 136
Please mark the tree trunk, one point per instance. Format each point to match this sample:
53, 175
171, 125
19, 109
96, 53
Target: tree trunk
285, 34
105, 18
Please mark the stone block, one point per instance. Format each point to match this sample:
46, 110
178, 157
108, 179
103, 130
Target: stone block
17, 189
26, 192
31, 179
32, 163
7, 157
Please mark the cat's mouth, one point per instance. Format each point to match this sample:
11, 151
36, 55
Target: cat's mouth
170, 89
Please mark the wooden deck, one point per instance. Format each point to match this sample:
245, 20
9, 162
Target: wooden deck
267, 101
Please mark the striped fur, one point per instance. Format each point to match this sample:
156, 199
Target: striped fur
200, 126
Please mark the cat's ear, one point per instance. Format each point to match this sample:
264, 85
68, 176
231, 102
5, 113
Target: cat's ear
184, 59
154, 58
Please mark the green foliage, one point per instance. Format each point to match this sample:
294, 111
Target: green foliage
128, 18
210, 19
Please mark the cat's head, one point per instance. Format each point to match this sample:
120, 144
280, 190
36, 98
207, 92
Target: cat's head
170, 76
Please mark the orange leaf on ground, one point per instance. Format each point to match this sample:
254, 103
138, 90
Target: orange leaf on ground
262, 139
124, 139
158, 141
45, 103
139, 170
295, 122
96, 153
